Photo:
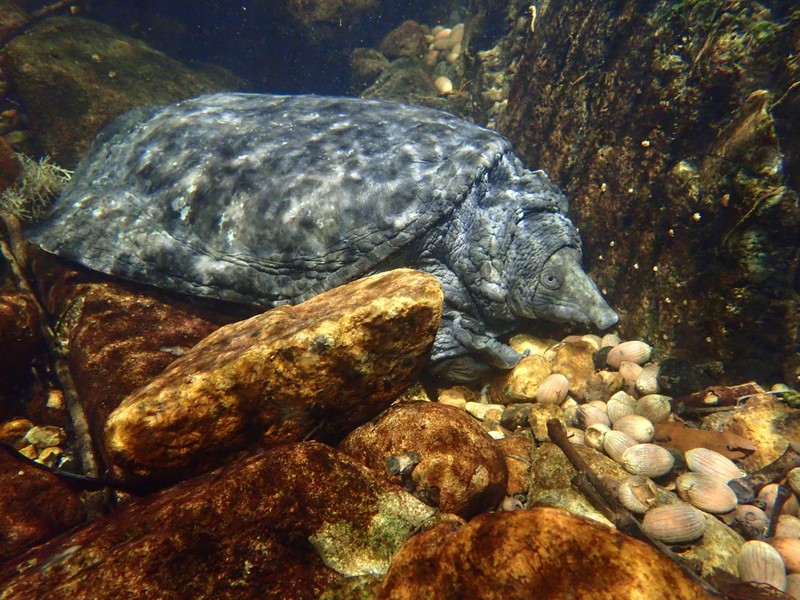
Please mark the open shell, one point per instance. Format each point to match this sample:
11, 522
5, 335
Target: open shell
637, 494
674, 523
647, 460
759, 562
593, 436
709, 462
706, 492
752, 517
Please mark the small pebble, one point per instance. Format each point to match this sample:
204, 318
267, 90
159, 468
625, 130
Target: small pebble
443, 85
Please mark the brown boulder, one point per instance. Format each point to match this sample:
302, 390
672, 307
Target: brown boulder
406, 40
283, 524
321, 368
74, 75
460, 465
541, 553
19, 337
35, 505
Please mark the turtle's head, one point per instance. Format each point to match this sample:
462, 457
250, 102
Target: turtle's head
548, 281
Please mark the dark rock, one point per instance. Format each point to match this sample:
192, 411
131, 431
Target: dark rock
366, 65
9, 166
283, 524
321, 367
72, 76
677, 146
35, 505
523, 554
19, 337
456, 456
678, 377
406, 40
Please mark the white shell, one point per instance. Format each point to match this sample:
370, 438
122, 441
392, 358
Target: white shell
647, 380
706, 492
789, 549
575, 435
592, 339
616, 442
637, 494
788, 527
593, 436
674, 523
629, 371
761, 563
634, 351
553, 390
610, 339
709, 462
589, 415
647, 460
619, 405
635, 426
656, 408
793, 480
752, 516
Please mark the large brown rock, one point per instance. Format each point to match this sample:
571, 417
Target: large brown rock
542, 553
35, 505
322, 368
73, 76
672, 128
283, 524
461, 468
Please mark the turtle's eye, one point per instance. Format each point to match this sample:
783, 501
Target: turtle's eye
550, 280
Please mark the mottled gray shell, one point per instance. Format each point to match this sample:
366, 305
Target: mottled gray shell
268, 199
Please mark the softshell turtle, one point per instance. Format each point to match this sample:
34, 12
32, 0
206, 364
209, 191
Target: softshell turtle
267, 200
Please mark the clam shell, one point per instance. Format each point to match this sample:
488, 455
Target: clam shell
767, 495
588, 415
759, 562
553, 390
576, 436
593, 436
656, 408
793, 480
674, 523
647, 380
788, 527
714, 464
629, 372
636, 426
789, 549
610, 339
706, 492
634, 351
616, 442
592, 339
637, 494
647, 460
619, 405
752, 516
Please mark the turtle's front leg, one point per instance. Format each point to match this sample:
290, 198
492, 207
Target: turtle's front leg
470, 334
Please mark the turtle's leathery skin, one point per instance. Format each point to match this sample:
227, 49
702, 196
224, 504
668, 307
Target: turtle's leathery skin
268, 200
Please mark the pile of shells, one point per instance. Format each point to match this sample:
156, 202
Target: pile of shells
623, 427
444, 44
42, 443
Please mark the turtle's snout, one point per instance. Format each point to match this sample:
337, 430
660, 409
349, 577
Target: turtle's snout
602, 315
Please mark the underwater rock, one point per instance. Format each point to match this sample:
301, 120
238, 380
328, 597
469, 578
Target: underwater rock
35, 505
19, 338
284, 523
517, 452
321, 367
459, 467
406, 40
678, 148
73, 75
523, 554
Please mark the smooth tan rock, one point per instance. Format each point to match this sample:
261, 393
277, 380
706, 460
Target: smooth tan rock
282, 524
457, 457
321, 367
540, 553
520, 384
574, 361
769, 424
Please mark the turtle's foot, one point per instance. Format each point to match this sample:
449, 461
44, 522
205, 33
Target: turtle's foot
472, 337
